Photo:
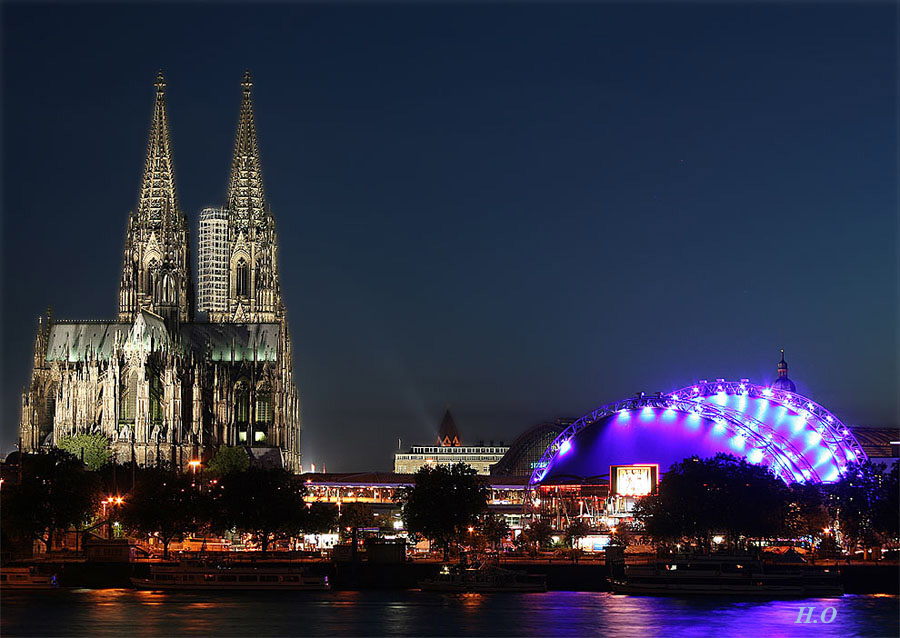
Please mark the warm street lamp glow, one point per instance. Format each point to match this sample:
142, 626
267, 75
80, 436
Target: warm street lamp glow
471, 529
194, 464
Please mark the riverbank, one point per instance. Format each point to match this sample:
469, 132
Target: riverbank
856, 578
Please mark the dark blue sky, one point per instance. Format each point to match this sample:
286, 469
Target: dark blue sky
524, 210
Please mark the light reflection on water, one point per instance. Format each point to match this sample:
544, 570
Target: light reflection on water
124, 612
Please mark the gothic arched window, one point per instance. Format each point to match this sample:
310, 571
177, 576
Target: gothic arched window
50, 406
241, 402
264, 415
128, 399
242, 278
264, 403
156, 399
152, 269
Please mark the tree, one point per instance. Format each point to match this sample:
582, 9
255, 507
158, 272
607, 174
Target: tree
321, 518
723, 495
444, 502
494, 528
886, 516
536, 536
862, 505
93, 449
576, 530
806, 514
56, 493
164, 503
229, 460
266, 503
354, 515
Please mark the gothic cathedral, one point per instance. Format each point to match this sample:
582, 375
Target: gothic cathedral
158, 384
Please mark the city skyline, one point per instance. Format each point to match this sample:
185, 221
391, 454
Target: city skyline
523, 257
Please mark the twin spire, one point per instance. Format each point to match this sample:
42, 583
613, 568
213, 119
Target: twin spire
246, 198
158, 200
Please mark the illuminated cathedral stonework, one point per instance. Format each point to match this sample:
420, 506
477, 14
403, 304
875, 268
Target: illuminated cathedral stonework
159, 385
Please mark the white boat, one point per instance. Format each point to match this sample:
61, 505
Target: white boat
26, 578
229, 577
724, 576
484, 579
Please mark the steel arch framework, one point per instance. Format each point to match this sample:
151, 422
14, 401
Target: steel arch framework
797, 438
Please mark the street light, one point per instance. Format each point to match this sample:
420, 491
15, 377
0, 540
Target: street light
194, 463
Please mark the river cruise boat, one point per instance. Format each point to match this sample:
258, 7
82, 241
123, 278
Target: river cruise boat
229, 577
26, 578
727, 576
483, 578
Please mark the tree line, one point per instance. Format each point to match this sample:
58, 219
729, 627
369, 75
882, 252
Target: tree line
700, 500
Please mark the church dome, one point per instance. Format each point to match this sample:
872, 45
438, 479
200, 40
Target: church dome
783, 382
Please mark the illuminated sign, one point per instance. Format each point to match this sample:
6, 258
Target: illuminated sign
633, 480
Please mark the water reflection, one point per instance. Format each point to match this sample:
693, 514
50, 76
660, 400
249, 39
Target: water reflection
396, 613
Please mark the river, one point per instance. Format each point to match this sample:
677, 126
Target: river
132, 613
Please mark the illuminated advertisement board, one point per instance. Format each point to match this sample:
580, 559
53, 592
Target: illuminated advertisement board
633, 480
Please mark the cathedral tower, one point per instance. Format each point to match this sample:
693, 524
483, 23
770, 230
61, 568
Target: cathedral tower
254, 290
156, 265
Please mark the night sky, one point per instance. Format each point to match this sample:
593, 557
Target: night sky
526, 211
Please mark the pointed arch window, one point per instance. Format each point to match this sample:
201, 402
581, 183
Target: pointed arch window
50, 406
242, 278
156, 400
152, 269
242, 402
128, 399
264, 414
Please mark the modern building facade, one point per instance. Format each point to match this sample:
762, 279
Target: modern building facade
448, 451
213, 252
157, 384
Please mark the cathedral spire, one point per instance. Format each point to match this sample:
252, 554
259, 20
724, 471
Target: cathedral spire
246, 197
158, 201
156, 261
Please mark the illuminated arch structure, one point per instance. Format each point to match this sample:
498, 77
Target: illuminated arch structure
799, 440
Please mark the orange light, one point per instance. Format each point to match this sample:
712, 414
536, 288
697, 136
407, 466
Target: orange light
119, 500
471, 529
194, 464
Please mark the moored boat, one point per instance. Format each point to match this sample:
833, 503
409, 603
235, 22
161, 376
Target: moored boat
726, 576
483, 578
26, 578
229, 577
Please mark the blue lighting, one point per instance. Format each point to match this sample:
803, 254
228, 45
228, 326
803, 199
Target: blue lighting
796, 438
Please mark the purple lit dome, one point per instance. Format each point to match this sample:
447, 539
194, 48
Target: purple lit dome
797, 439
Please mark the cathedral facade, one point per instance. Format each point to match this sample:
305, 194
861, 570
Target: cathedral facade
158, 384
